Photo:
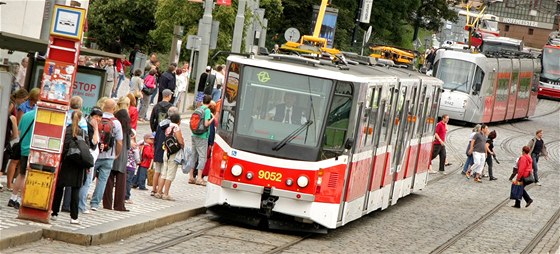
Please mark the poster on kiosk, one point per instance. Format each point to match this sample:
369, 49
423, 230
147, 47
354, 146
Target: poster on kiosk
49, 126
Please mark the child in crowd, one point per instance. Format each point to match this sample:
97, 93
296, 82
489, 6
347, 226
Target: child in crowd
147, 156
133, 160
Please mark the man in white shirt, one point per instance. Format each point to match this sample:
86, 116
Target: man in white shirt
20, 79
288, 112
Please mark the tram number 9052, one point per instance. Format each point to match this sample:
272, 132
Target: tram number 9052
271, 176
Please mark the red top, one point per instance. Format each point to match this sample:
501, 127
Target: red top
525, 166
441, 130
121, 64
147, 155
133, 111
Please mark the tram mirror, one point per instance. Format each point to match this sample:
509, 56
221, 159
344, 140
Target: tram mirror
349, 143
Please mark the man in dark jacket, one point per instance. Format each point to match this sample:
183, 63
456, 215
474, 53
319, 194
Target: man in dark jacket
167, 81
159, 112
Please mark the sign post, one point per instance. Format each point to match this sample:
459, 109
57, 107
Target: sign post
49, 128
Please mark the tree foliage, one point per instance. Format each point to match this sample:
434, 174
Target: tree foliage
129, 20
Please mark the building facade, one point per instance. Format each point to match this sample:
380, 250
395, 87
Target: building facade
527, 20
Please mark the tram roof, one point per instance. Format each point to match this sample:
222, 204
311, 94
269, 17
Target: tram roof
355, 73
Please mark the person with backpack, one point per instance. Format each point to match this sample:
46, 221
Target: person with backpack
172, 145
93, 133
202, 84
111, 133
158, 149
538, 149
159, 112
199, 123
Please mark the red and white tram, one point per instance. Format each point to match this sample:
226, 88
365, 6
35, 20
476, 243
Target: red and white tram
550, 77
353, 141
496, 85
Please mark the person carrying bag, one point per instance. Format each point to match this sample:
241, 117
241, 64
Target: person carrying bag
525, 169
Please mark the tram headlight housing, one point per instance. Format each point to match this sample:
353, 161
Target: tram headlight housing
302, 181
236, 170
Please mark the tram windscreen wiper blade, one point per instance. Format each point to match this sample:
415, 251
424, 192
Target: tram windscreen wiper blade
462, 84
292, 135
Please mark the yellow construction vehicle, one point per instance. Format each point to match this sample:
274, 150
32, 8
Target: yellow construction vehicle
312, 45
397, 55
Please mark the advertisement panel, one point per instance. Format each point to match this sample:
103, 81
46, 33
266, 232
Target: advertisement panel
328, 28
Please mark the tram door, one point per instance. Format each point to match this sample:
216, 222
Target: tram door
513, 89
374, 110
398, 140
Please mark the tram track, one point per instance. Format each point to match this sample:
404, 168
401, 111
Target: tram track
287, 245
177, 240
456, 155
476, 224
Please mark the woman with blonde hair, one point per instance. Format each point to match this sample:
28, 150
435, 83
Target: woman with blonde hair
123, 103
101, 102
71, 174
132, 111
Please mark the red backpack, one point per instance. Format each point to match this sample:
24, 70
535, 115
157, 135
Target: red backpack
197, 121
106, 133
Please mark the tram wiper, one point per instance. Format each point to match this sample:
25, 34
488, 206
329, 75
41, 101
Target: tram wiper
292, 135
460, 85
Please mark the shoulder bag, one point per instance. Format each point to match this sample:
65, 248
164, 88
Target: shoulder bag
529, 179
78, 152
16, 148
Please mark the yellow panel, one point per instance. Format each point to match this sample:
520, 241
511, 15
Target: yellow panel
58, 118
43, 116
38, 188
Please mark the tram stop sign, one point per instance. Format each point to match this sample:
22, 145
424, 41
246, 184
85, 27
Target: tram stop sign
193, 42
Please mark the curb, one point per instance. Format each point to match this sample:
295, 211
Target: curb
96, 236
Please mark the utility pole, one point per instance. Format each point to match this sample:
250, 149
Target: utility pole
238, 29
357, 24
176, 50
205, 28
47, 18
262, 37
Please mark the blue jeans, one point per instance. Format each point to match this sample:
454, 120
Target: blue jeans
140, 178
468, 163
104, 167
535, 158
154, 95
121, 78
84, 191
216, 94
129, 176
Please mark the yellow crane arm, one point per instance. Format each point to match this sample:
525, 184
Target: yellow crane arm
320, 17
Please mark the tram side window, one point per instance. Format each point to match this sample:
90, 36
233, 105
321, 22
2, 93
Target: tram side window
338, 120
478, 79
374, 113
230, 99
422, 111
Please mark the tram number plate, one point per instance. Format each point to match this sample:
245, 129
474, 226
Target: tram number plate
271, 176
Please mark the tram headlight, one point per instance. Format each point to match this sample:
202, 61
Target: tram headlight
249, 175
289, 182
236, 170
302, 181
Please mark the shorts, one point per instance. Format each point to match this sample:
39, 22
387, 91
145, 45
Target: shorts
157, 166
23, 165
199, 96
169, 169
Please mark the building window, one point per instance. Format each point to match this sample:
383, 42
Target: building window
506, 28
511, 3
530, 31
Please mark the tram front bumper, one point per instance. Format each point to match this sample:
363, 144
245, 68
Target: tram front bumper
249, 196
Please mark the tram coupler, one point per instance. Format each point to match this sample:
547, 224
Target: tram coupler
267, 203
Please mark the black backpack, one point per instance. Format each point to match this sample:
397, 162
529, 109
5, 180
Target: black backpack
209, 85
171, 144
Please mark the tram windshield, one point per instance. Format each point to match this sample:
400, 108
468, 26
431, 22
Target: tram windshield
455, 74
551, 63
282, 107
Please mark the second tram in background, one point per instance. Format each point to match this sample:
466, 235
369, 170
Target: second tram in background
550, 76
309, 145
498, 84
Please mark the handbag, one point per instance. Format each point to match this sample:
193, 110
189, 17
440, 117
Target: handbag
78, 152
516, 191
16, 148
148, 91
529, 179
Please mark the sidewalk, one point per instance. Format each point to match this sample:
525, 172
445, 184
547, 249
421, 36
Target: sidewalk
105, 226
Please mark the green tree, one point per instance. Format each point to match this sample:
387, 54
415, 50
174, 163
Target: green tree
429, 15
129, 20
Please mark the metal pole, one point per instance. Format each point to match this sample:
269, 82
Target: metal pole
262, 38
174, 54
189, 82
47, 17
238, 29
357, 24
204, 32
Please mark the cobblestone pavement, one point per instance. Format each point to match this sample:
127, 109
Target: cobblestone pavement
450, 206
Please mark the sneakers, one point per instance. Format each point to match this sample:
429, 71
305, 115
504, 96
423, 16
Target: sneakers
443, 172
493, 178
484, 175
529, 203
431, 171
54, 217
86, 211
93, 208
76, 221
538, 183
11, 203
153, 193
478, 180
